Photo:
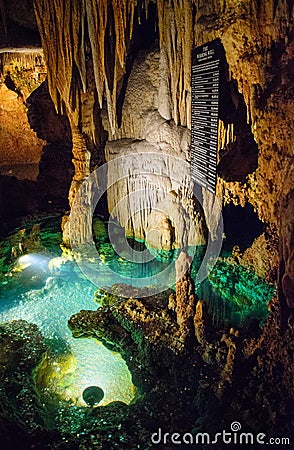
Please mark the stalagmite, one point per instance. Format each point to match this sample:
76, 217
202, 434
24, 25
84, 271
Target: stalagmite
101, 30
175, 26
255, 36
185, 297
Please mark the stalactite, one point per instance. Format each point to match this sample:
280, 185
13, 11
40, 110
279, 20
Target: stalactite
97, 20
64, 48
78, 16
73, 31
53, 19
175, 30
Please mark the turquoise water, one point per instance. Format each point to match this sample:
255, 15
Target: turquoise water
38, 285
36, 289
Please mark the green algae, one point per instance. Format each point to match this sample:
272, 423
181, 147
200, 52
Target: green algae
5, 257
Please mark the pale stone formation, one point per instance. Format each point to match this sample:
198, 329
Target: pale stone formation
149, 187
257, 43
150, 194
141, 98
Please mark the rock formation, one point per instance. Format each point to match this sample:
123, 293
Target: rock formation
200, 322
20, 148
216, 370
129, 103
22, 347
286, 266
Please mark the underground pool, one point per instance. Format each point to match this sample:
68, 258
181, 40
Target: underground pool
41, 286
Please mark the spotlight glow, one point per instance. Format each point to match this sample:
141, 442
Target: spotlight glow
24, 259
107, 370
34, 259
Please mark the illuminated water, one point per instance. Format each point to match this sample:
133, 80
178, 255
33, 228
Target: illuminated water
39, 289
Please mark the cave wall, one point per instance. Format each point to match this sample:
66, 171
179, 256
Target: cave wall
89, 68
18, 27
35, 142
19, 146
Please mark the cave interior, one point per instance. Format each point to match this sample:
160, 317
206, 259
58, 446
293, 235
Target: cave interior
139, 309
